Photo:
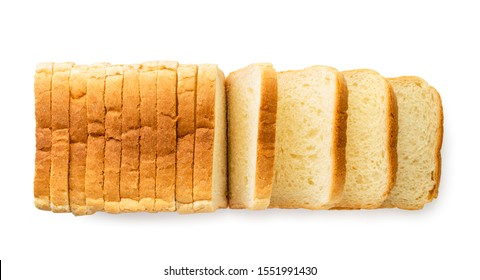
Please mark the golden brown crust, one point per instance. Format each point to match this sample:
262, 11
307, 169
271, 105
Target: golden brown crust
204, 138
166, 136
392, 140
96, 137
113, 137
60, 138
221, 202
186, 86
339, 141
78, 140
129, 170
43, 135
438, 170
266, 138
148, 135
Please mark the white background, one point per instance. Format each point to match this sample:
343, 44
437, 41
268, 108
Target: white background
436, 40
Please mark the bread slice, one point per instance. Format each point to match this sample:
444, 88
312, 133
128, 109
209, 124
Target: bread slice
43, 135
94, 169
371, 150
252, 107
420, 133
129, 170
148, 135
78, 140
210, 154
311, 137
113, 137
60, 138
166, 135
186, 86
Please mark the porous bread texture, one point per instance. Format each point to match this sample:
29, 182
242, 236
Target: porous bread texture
311, 137
210, 154
78, 140
251, 109
420, 133
59, 200
166, 135
371, 146
148, 135
43, 135
113, 137
186, 87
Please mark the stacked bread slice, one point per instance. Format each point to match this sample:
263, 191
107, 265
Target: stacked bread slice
162, 137
117, 138
252, 110
310, 147
371, 156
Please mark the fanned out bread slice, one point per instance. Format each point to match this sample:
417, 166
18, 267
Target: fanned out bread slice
166, 135
60, 138
311, 138
113, 137
43, 135
420, 133
371, 150
94, 169
251, 108
130, 160
210, 154
148, 135
78, 140
186, 86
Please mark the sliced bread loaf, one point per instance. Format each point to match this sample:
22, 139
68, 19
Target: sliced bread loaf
113, 137
311, 137
59, 201
186, 86
43, 135
166, 135
420, 133
371, 151
210, 155
251, 108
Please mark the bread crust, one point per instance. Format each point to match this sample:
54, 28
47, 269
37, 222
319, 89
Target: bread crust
266, 138
113, 137
78, 140
59, 201
391, 144
204, 138
393, 140
186, 88
43, 135
339, 142
166, 136
222, 201
433, 193
148, 135
129, 170
94, 172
